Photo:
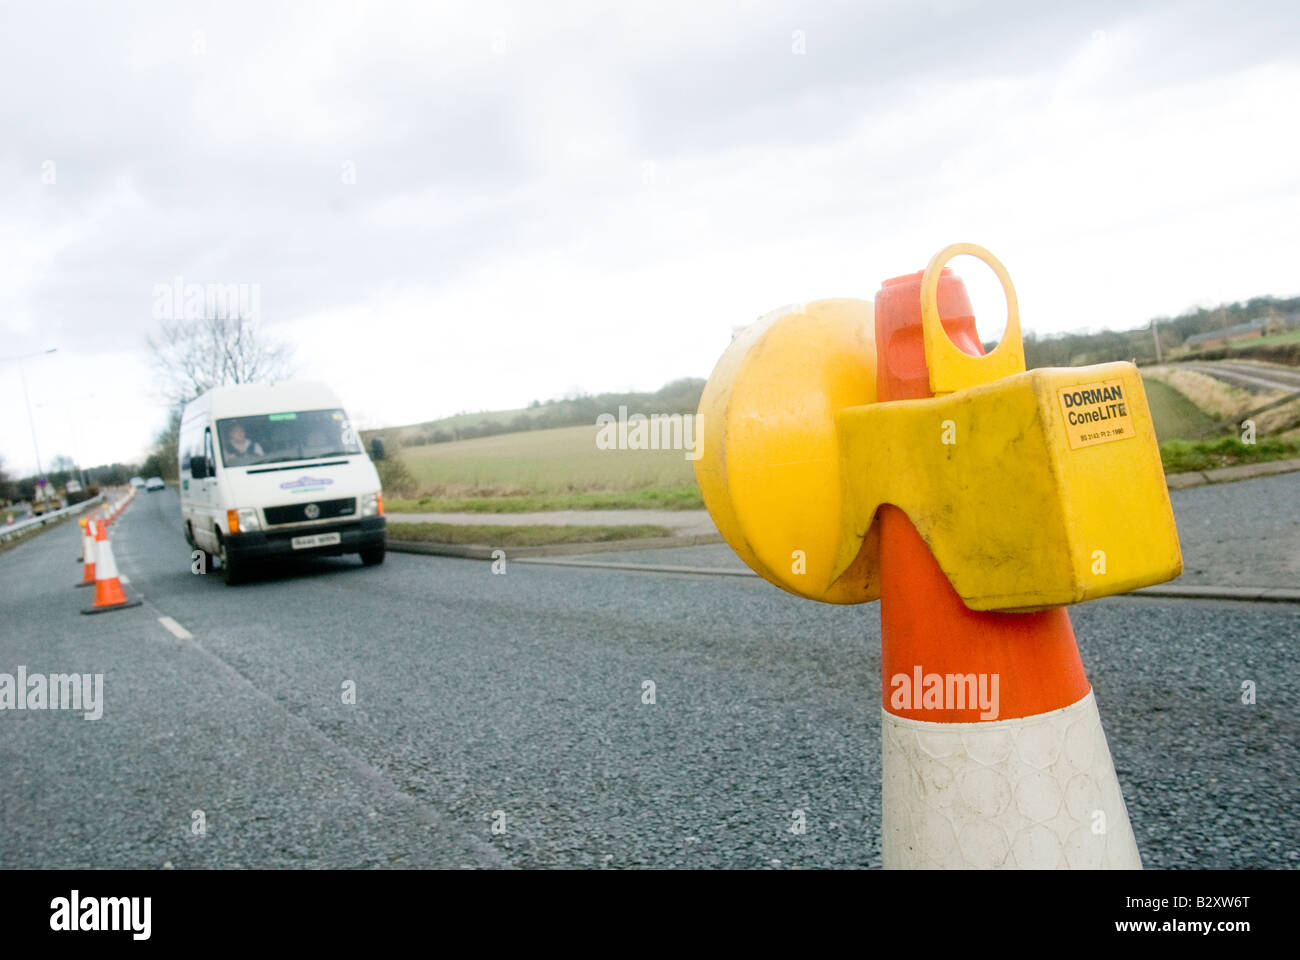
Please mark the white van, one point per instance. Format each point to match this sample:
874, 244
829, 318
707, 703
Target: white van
275, 470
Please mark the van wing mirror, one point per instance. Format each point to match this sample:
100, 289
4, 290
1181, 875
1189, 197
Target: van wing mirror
199, 467
376, 448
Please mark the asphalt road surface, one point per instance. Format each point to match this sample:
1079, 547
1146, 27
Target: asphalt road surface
1242, 534
516, 699
1253, 376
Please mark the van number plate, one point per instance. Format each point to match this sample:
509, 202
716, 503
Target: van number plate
315, 540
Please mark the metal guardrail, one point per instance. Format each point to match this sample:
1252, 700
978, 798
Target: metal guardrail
11, 530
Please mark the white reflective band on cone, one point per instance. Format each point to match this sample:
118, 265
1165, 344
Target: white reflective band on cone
105, 565
1035, 792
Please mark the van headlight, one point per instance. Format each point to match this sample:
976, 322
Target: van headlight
243, 520
372, 505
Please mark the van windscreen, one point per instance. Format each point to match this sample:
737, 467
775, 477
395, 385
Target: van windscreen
281, 437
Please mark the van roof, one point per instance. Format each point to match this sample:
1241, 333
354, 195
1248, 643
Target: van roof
250, 399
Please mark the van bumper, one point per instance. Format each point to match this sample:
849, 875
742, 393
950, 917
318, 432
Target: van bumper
354, 536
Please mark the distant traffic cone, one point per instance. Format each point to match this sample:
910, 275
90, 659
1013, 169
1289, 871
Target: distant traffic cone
109, 594
87, 552
1014, 771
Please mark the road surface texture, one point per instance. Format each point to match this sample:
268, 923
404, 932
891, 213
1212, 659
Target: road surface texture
1257, 377
1241, 534
517, 699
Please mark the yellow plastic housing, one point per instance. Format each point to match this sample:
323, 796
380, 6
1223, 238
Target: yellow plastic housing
769, 467
1032, 490
1036, 490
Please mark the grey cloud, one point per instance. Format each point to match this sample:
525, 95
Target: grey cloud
202, 201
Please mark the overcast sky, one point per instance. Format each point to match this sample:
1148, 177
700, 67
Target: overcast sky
467, 206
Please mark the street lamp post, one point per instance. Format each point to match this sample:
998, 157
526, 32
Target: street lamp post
22, 374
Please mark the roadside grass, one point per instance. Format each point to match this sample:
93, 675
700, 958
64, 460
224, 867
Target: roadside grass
1180, 456
685, 497
520, 536
1209, 394
1174, 416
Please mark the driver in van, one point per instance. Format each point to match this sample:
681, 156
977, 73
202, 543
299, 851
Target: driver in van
240, 449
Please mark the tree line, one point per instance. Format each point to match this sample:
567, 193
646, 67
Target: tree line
1102, 346
678, 396
62, 469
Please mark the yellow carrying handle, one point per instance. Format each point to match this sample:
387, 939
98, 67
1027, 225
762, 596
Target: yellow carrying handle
952, 369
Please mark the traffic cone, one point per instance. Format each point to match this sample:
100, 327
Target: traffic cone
87, 552
108, 588
1021, 777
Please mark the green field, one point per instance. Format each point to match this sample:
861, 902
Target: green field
564, 463
1175, 417
1291, 336
563, 469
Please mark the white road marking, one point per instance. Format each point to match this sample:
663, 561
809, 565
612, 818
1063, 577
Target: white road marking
176, 629
123, 577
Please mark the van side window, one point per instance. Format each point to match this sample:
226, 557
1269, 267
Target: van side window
190, 443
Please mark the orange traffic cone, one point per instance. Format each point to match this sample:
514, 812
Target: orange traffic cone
1011, 768
108, 588
87, 552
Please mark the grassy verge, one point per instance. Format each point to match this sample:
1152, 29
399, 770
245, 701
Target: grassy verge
1179, 456
1172, 413
519, 536
682, 497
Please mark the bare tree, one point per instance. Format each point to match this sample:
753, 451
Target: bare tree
191, 357
165, 444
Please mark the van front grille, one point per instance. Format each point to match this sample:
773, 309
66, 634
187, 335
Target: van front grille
298, 512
